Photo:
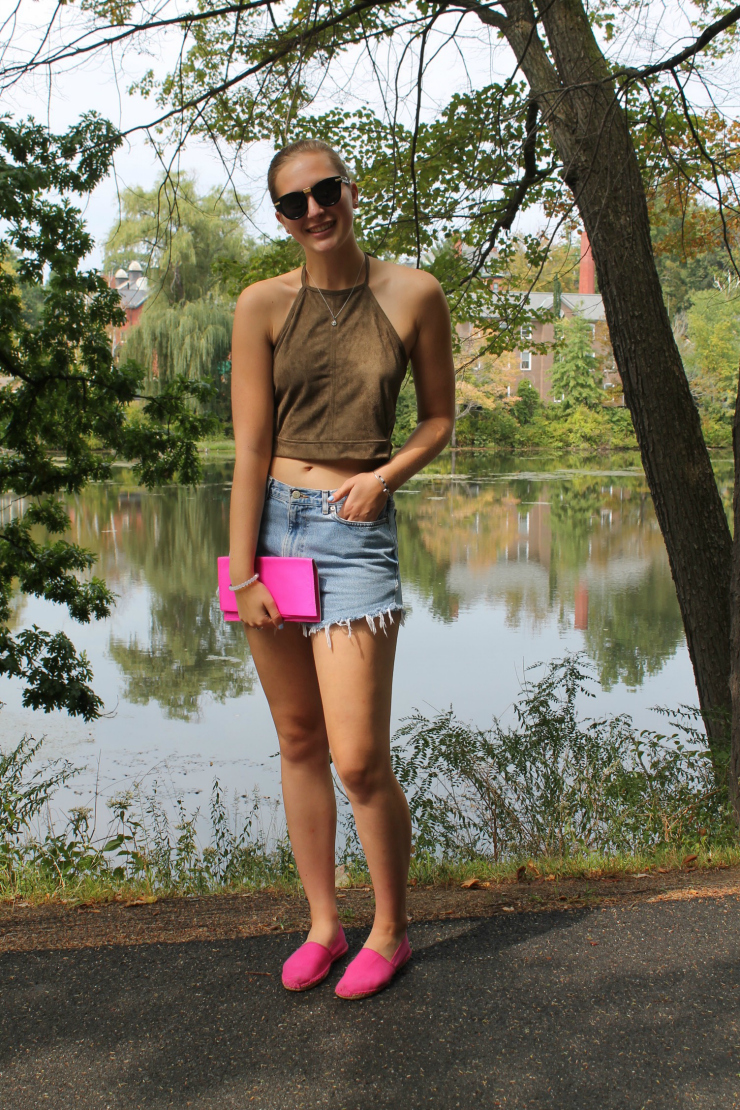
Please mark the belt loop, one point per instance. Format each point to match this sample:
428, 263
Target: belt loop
325, 502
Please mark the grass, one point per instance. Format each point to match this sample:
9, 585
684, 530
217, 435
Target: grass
32, 888
443, 873
554, 792
217, 447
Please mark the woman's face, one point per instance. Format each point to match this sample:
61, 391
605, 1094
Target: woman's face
321, 229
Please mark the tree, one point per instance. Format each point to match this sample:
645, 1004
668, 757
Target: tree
180, 236
527, 402
712, 348
190, 340
65, 410
579, 132
575, 371
688, 243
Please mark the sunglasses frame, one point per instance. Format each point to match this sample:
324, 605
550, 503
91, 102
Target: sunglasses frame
310, 189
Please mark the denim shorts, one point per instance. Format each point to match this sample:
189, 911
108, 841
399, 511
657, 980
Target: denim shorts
357, 560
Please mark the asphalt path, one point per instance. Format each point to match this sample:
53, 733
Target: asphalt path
581, 1010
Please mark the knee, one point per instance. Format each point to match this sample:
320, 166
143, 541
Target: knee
302, 739
362, 778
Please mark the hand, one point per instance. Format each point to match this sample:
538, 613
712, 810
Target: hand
257, 608
365, 497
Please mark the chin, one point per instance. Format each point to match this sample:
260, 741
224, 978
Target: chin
321, 246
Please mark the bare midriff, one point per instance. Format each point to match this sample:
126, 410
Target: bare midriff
303, 473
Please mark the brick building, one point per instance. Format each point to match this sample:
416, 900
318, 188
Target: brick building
535, 368
133, 289
526, 364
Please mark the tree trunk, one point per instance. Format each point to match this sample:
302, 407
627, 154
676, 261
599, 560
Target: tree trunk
590, 131
735, 622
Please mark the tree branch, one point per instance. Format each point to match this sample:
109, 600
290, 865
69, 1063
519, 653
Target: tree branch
484, 12
75, 49
708, 35
530, 177
285, 48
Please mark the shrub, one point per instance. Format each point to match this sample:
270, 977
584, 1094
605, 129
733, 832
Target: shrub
553, 783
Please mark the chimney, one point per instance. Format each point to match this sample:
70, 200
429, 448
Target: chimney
586, 270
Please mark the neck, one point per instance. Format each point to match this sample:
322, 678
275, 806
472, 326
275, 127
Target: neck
337, 270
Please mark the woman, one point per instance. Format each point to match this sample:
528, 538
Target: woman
318, 358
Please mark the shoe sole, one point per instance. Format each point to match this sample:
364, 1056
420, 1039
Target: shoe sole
369, 994
315, 982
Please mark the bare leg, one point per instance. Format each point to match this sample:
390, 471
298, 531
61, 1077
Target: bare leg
286, 668
355, 677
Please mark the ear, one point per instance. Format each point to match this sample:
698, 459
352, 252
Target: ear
355, 194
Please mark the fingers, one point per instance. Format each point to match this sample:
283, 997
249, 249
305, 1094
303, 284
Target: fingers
259, 610
343, 490
273, 615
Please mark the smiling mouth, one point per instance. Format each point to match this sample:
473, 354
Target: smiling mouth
320, 227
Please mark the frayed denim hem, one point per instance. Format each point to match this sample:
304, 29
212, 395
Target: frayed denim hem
381, 617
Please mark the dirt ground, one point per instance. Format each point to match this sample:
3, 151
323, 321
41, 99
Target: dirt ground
25, 928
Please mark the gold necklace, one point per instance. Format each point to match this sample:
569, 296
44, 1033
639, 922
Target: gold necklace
334, 317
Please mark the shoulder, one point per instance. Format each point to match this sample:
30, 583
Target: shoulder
265, 299
417, 287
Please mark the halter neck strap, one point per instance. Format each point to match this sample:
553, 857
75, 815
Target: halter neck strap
305, 285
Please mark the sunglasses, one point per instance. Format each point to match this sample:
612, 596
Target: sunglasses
326, 193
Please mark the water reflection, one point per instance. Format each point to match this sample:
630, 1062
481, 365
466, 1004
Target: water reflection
577, 550
161, 549
585, 550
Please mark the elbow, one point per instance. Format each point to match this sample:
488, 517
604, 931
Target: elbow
447, 424
438, 430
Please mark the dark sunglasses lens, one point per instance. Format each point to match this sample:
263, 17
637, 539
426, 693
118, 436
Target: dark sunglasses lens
294, 205
327, 192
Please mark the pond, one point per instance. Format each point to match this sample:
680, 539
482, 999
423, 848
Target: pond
504, 562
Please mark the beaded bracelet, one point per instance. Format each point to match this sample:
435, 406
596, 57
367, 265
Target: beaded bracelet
381, 479
243, 585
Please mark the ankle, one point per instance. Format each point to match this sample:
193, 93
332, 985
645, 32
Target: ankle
385, 937
389, 930
324, 930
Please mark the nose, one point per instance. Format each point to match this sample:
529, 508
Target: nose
314, 209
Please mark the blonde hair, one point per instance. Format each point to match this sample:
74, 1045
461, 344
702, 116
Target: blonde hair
302, 146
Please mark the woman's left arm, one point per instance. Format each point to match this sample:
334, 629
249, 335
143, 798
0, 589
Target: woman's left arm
434, 379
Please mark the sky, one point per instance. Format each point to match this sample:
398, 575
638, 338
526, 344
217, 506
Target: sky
103, 84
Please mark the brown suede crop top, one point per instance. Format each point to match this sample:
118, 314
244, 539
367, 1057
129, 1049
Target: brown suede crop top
336, 387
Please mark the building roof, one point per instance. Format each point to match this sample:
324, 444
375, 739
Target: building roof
120, 274
135, 266
590, 305
133, 298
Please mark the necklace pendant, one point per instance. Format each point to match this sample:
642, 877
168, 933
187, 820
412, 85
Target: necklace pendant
333, 323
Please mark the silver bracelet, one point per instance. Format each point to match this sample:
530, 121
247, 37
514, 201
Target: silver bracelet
381, 479
243, 585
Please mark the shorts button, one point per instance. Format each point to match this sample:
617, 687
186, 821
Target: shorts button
295, 494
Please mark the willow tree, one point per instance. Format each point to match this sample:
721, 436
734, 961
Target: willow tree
572, 128
185, 341
180, 236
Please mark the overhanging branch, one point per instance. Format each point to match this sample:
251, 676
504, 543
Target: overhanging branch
530, 177
285, 48
708, 35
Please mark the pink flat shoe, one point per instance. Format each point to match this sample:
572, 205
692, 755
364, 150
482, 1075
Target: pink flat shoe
370, 972
311, 963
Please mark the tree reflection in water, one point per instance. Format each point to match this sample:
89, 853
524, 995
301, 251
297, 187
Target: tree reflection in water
160, 550
580, 548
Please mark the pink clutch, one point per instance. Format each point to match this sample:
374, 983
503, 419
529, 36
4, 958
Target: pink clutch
294, 583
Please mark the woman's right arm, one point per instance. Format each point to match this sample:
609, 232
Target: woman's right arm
252, 413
